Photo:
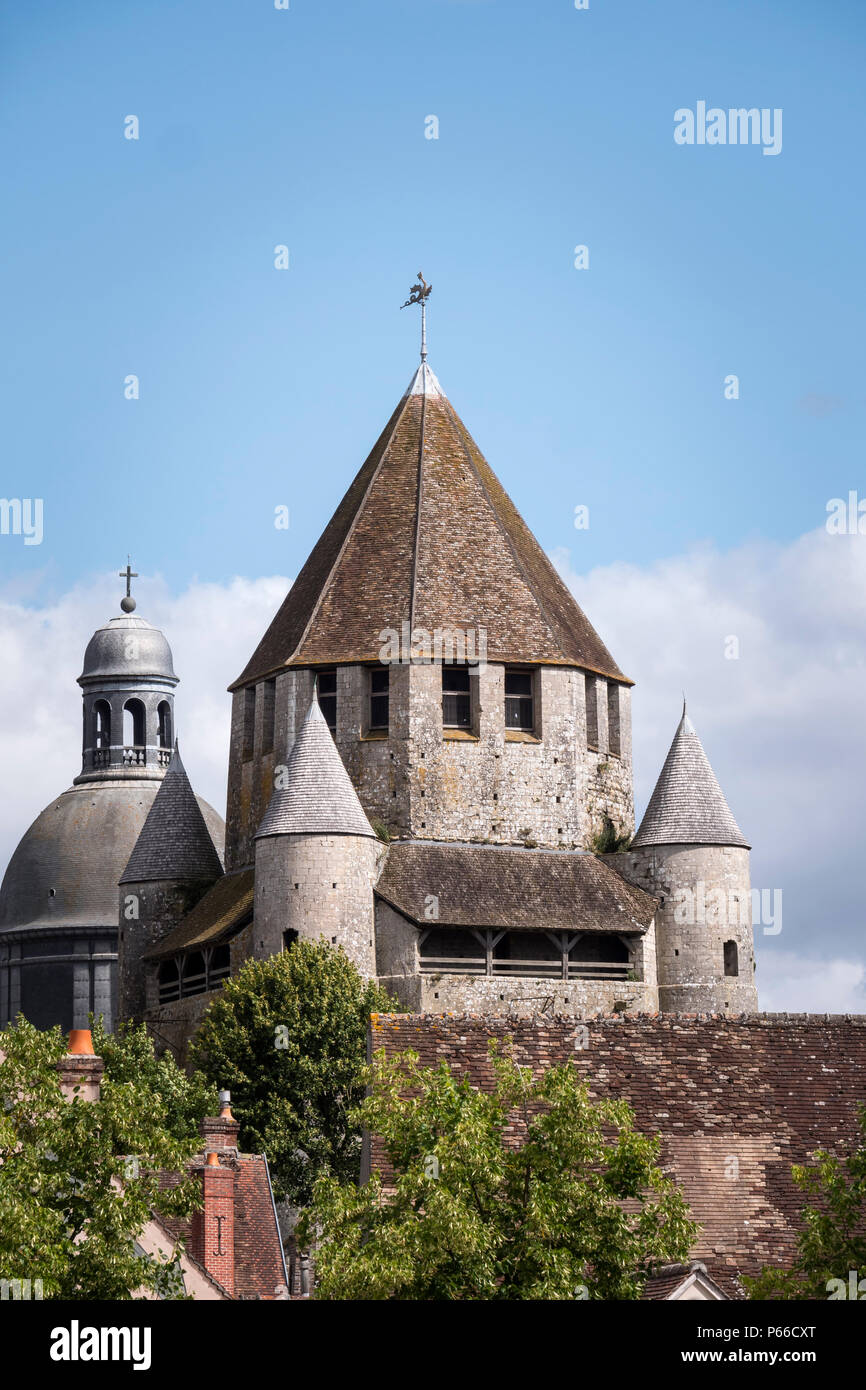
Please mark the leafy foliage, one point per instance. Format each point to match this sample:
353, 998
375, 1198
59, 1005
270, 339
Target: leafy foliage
832, 1241
608, 839
72, 1202
575, 1207
288, 1037
129, 1055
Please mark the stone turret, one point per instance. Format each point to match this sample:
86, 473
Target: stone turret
691, 855
172, 864
316, 855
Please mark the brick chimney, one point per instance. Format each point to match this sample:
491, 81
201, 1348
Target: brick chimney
80, 1069
212, 1239
220, 1131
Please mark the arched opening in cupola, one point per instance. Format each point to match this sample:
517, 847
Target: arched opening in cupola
102, 724
134, 724
164, 716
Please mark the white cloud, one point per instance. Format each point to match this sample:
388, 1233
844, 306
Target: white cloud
212, 630
782, 725
806, 984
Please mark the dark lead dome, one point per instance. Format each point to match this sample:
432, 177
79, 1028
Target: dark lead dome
127, 647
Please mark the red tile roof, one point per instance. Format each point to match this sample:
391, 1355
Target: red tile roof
736, 1101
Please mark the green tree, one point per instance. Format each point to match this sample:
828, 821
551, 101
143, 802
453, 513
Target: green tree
832, 1240
574, 1205
288, 1037
79, 1179
129, 1055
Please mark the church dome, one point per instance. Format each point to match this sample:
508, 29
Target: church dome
127, 647
66, 868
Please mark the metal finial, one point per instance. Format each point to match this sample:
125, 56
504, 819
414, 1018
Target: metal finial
684, 705
128, 602
419, 294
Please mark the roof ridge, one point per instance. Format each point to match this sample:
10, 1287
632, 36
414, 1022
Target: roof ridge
398, 416
419, 494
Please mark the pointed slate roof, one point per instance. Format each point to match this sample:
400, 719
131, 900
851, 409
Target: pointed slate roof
688, 806
174, 842
318, 797
427, 535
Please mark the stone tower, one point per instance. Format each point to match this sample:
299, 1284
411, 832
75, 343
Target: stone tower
58, 902
691, 855
316, 855
173, 863
468, 695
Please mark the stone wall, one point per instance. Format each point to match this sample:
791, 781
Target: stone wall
147, 913
736, 1102
320, 886
484, 784
398, 968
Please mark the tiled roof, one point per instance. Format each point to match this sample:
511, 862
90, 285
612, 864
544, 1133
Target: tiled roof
497, 886
673, 1279
222, 907
427, 535
260, 1270
765, 1090
314, 794
688, 806
174, 842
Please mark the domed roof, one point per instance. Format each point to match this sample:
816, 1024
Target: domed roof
124, 647
66, 869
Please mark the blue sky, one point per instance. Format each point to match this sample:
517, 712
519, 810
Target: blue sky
305, 127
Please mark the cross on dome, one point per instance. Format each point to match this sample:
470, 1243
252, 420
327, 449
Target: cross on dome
128, 602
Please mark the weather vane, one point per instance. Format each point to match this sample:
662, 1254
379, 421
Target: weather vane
128, 603
419, 294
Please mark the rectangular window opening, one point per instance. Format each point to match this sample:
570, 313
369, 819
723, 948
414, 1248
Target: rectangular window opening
456, 698
379, 686
519, 703
591, 711
249, 730
326, 689
269, 700
614, 739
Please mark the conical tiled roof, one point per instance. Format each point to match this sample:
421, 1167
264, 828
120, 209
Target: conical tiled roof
427, 535
317, 797
174, 842
688, 806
